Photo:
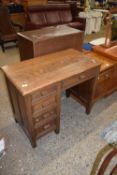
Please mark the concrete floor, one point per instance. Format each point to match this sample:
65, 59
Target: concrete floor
72, 152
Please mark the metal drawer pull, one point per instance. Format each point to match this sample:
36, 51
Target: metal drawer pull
47, 126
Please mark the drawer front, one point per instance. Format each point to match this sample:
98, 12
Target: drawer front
50, 126
44, 118
106, 83
43, 104
78, 79
36, 96
106, 75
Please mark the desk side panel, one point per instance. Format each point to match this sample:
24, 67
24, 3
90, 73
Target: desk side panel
18, 107
25, 48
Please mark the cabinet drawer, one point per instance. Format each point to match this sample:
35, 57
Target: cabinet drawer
108, 74
50, 126
36, 96
43, 104
44, 118
78, 79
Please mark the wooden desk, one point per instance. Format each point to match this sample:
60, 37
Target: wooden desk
49, 39
35, 88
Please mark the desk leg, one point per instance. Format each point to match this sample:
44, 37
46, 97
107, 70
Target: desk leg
88, 108
57, 130
84, 93
68, 93
91, 90
33, 143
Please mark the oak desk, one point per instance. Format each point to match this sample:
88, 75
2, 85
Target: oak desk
35, 88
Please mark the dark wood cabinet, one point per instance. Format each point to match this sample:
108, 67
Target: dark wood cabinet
106, 83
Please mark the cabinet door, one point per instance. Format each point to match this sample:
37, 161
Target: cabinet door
106, 82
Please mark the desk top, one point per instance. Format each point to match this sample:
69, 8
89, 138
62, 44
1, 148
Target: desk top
37, 73
105, 61
48, 33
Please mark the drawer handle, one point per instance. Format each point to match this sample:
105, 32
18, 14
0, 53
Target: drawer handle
47, 126
43, 93
52, 112
45, 115
37, 120
107, 76
82, 77
98, 78
45, 105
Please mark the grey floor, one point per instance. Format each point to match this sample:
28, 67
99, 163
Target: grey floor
72, 152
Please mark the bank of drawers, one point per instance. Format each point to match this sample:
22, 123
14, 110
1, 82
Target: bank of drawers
107, 81
108, 74
45, 110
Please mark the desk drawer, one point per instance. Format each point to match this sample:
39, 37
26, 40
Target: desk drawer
36, 96
50, 126
78, 79
46, 103
108, 74
44, 118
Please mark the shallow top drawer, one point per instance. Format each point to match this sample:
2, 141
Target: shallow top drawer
43, 93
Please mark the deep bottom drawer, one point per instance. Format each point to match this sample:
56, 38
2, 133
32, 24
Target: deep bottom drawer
48, 127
